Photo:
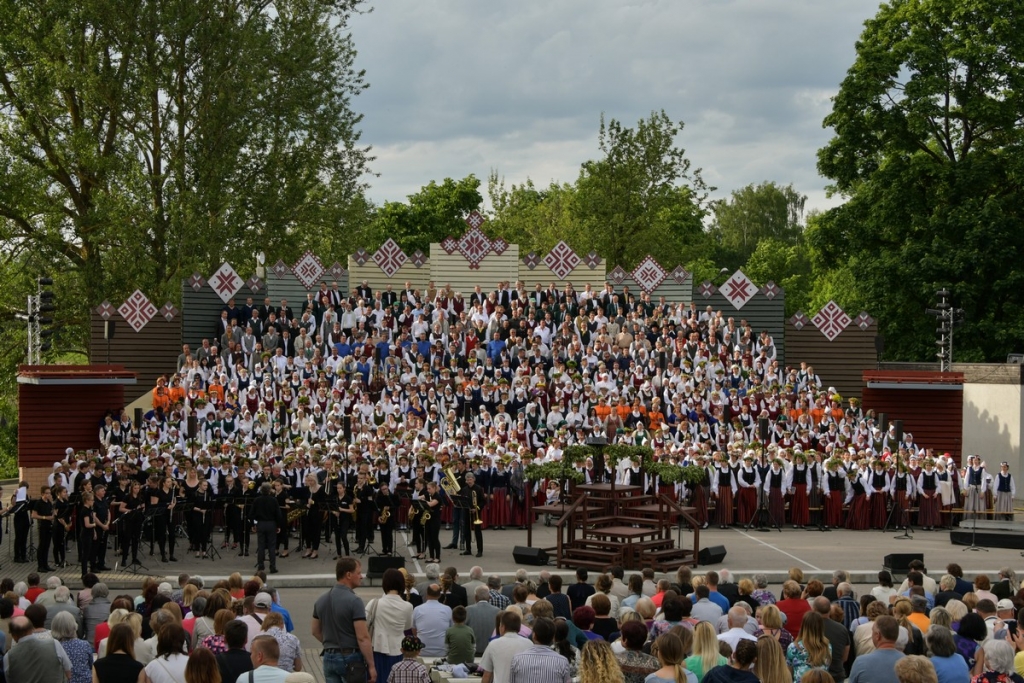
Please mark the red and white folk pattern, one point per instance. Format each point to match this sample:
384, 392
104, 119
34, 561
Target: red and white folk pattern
226, 282
617, 276
450, 245
168, 311
499, 246
308, 270
648, 274
864, 321
137, 310
360, 256
562, 260
390, 258
474, 245
738, 289
799, 320
106, 310
531, 260
336, 271
254, 284
418, 259
680, 275
593, 260
280, 269
771, 290
831, 320
475, 219
707, 289
196, 282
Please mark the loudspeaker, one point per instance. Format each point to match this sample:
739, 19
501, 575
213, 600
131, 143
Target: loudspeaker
598, 443
899, 563
282, 415
378, 565
762, 429
346, 427
883, 423
879, 344
526, 555
898, 427
711, 555
108, 329
138, 418
193, 425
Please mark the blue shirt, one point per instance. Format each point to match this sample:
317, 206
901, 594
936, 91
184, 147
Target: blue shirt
950, 669
288, 625
716, 598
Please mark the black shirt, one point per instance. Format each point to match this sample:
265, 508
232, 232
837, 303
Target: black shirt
266, 509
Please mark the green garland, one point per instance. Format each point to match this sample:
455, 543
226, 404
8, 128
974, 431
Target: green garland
615, 453
577, 454
551, 470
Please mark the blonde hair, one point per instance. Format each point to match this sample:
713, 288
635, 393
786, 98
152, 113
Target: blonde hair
598, 663
812, 637
669, 650
116, 617
957, 610
189, 593
771, 617
705, 645
796, 574
134, 619
271, 620
770, 664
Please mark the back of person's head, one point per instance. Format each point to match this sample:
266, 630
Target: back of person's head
53, 583
745, 653
33, 579
202, 667
888, 628
481, 593
100, 590
702, 592
770, 665
555, 583
915, 579
822, 605
271, 620
121, 639
6, 608
36, 614
459, 614
393, 580
791, 589
602, 604
512, 621
20, 627
939, 640
985, 607
433, 591
236, 633
672, 608
917, 566
266, 646
915, 669
542, 608
885, 579
817, 676
999, 656
815, 588
520, 593
494, 582
170, 639
581, 574
954, 569
583, 617
634, 635
64, 626
711, 578
544, 631
617, 572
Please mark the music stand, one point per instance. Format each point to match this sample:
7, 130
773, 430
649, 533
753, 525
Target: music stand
763, 514
974, 527
135, 564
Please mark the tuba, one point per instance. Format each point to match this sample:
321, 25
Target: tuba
450, 484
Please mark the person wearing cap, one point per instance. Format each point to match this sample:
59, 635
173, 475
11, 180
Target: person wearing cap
409, 669
262, 604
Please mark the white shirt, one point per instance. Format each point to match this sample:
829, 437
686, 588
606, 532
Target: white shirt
734, 635
169, 669
499, 653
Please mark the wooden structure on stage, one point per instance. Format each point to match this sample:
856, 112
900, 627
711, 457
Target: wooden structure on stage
608, 525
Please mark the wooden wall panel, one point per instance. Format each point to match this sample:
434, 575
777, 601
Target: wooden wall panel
378, 279
934, 417
288, 287
761, 312
54, 418
200, 310
150, 352
840, 363
454, 269
669, 288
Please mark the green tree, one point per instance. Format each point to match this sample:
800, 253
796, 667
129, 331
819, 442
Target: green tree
786, 265
928, 153
430, 215
755, 213
643, 196
535, 219
143, 140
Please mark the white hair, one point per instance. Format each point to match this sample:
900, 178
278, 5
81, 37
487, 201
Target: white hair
62, 594
53, 582
64, 626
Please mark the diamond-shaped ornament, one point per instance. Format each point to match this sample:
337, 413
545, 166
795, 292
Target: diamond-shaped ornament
499, 246
137, 310
449, 244
106, 310
254, 284
418, 259
831, 320
679, 275
308, 270
280, 269
196, 282
474, 246
864, 321
168, 311
771, 290
531, 260
593, 260
648, 274
617, 276
561, 260
738, 289
475, 219
361, 256
799, 320
390, 258
336, 271
226, 282
706, 289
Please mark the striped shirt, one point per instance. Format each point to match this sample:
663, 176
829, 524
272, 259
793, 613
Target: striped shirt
539, 664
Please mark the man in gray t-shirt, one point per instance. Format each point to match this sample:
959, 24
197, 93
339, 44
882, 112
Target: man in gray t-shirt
877, 667
339, 622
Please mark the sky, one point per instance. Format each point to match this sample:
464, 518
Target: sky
470, 86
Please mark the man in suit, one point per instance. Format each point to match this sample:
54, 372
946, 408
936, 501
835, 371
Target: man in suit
287, 343
255, 322
284, 314
365, 291
388, 298
266, 308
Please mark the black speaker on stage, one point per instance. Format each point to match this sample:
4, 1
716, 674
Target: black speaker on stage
346, 428
762, 429
898, 429
598, 443
193, 425
879, 344
899, 563
526, 555
883, 423
138, 418
711, 555
380, 564
108, 329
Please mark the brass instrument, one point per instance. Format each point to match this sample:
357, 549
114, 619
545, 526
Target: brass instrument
355, 503
384, 515
296, 514
450, 484
476, 511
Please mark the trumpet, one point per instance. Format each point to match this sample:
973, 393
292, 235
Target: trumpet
476, 511
450, 484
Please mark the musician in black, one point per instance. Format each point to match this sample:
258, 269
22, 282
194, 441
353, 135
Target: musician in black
387, 504
313, 520
230, 493
366, 513
249, 493
474, 498
62, 527
130, 524
42, 512
86, 533
22, 522
283, 494
162, 501
269, 520
432, 527
419, 492
101, 508
200, 521
341, 516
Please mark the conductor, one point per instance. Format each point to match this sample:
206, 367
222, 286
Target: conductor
268, 520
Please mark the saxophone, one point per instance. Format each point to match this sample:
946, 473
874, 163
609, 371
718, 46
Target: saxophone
384, 515
296, 514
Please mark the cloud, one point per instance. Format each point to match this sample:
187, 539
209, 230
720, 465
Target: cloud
460, 87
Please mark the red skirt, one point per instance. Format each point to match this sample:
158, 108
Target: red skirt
858, 516
879, 510
746, 504
723, 508
928, 510
499, 511
667, 490
834, 508
777, 506
798, 508
699, 501
901, 517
